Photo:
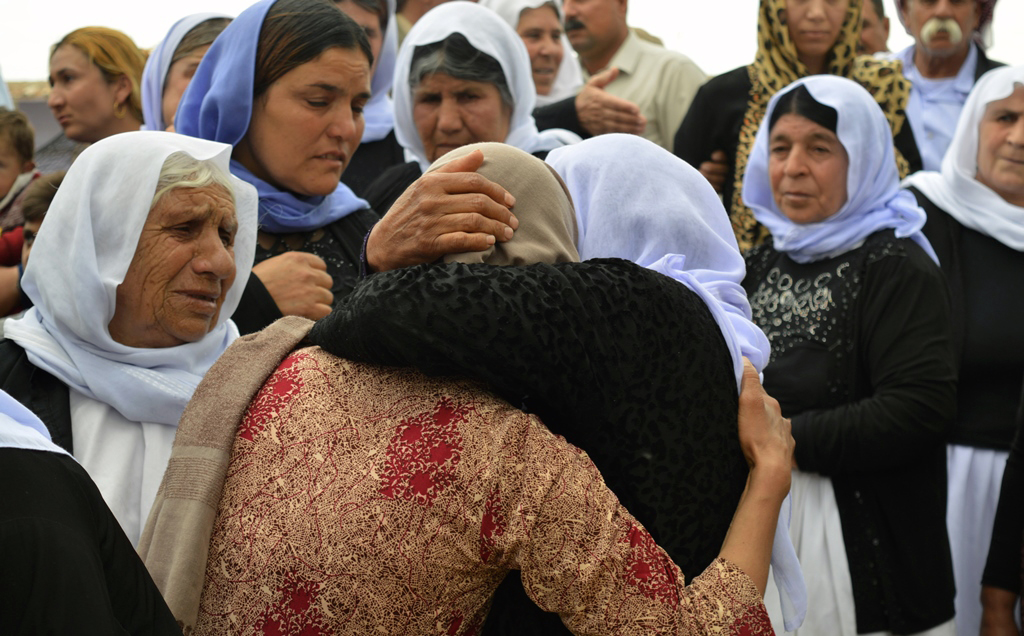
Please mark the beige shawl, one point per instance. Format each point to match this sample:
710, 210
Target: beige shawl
176, 538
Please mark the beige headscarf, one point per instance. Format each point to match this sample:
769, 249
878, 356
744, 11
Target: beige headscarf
547, 220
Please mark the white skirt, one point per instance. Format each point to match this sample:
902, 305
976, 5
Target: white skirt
975, 478
817, 535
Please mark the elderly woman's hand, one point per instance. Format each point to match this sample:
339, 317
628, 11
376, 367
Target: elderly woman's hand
765, 436
298, 282
448, 210
601, 112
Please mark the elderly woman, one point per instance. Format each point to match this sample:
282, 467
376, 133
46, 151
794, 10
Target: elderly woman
94, 79
857, 314
556, 73
172, 63
285, 84
463, 76
379, 149
796, 38
133, 282
662, 353
67, 564
429, 491
975, 209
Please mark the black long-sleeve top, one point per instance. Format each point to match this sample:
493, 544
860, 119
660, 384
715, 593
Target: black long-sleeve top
987, 292
862, 362
625, 363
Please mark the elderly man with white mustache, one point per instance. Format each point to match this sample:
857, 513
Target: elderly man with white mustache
947, 57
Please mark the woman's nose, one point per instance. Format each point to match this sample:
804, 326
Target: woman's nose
449, 118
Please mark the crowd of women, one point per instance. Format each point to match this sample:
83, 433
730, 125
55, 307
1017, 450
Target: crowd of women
531, 399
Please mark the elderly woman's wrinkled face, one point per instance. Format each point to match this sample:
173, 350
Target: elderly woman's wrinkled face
178, 78
814, 25
807, 168
450, 113
541, 32
182, 270
307, 126
1001, 147
81, 99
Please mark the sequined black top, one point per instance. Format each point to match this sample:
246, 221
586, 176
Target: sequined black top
624, 362
862, 362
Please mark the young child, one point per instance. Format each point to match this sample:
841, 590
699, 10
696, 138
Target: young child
17, 170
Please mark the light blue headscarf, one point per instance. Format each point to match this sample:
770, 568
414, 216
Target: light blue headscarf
159, 63
20, 428
874, 200
379, 112
218, 106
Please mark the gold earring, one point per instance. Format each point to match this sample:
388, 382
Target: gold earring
120, 110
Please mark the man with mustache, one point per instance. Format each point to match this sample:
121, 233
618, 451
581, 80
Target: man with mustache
947, 57
659, 81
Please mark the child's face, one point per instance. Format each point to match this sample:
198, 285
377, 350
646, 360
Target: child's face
11, 165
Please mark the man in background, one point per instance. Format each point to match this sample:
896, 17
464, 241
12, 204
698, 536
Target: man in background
874, 28
947, 57
660, 82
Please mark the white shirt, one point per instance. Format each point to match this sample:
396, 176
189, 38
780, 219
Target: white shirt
126, 459
935, 104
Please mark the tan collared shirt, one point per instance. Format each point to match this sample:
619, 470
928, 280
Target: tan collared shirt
660, 81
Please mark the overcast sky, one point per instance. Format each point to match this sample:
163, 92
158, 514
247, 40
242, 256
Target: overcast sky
719, 35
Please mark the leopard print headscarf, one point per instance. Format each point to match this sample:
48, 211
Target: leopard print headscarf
776, 66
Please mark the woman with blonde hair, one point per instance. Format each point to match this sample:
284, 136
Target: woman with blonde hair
94, 77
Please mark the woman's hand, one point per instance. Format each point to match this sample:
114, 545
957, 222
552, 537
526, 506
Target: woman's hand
768, 446
601, 112
715, 169
765, 436
997, 612
446, 211
298, 282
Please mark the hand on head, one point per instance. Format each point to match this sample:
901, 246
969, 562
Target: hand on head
601, 112
449, 210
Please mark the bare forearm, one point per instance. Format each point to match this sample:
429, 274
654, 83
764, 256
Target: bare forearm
748, 543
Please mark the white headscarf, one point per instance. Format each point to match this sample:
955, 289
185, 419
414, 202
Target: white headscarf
379, 112
158, 64
570, 78
82, 254
637, 201
20, 428
955, 189
874, 200
489, 34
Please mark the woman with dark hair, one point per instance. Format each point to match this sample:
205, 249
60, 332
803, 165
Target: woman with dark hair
94, 79
857, 312
796, 38
286, 84
172, 63
379, 149
463, 76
